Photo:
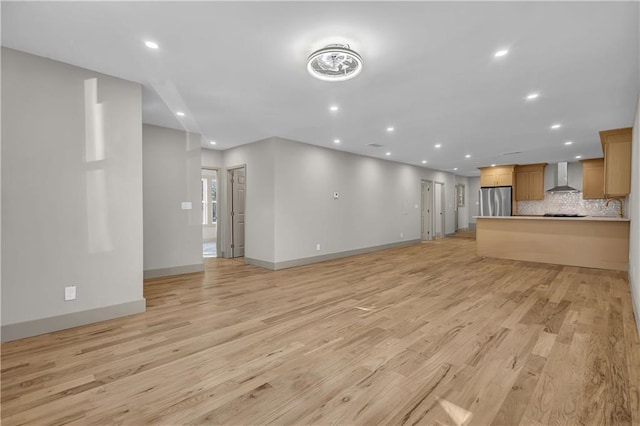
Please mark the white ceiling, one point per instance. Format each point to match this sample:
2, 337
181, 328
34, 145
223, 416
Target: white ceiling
238, 71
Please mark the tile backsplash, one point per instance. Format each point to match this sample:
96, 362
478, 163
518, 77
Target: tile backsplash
570, 203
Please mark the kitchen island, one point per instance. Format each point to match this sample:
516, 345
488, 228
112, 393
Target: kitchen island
592, 242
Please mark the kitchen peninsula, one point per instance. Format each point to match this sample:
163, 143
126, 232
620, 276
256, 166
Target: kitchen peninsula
592, 242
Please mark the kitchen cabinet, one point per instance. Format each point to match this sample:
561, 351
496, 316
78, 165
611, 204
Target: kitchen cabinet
530, 182
616, 146
593, 178
497, 176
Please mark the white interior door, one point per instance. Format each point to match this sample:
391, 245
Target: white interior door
427, 210
237, 187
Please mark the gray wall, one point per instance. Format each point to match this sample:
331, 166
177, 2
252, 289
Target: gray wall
375, 205
259, 160
211, 158
71, 194
378, 201
463, 212
474, 198
634, 214
172, 236
290, 206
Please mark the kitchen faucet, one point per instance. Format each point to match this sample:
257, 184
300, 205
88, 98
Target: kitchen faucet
618, 200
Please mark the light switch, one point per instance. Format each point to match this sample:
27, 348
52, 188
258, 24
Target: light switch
186, 205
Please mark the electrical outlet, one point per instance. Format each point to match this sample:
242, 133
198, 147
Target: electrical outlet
70, 293
318, 247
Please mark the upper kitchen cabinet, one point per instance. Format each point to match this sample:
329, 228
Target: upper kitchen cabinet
593, 178
530, 182
497, 176
616, 146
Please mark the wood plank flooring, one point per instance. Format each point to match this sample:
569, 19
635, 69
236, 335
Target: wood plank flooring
427, 334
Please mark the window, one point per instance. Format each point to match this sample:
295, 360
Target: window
209, 195
203, 192
214, 200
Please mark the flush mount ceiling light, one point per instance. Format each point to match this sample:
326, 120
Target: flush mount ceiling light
336, 62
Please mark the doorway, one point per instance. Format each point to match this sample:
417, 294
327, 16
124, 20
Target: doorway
209, 196
460, 208
432, 213
236, 179
438, 209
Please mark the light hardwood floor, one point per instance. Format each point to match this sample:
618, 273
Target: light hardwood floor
427, 334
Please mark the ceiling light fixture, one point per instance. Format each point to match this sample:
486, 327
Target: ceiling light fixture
493, 165
578, 156
336, 62
180, 114
388, 153
556, 126
333, 108
533, 96
151, 44
568, 143
455, 168
213, 142
500, 53
336, 141
467, 156
390, 129
424, 161
437, 145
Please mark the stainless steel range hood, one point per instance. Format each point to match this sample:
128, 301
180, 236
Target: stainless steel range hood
562, 179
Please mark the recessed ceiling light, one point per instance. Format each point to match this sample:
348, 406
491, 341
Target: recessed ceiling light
333, 107
213, 142
390, 129
532, 96
424, 161
388, 153
467, 156
455, 168
336, 141
336, 62
151, 44
568, 143
500, 53
493, 165
180, 114
556, 126
438, 145
578, 156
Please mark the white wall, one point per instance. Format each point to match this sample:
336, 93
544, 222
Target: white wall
172, 236
634, 214
474, 199
71, 193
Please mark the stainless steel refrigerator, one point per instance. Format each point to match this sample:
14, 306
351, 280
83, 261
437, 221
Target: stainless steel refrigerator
495, 201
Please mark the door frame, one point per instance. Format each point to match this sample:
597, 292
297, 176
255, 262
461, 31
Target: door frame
442, 207
228, 228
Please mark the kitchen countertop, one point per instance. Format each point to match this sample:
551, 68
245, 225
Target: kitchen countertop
585, 218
